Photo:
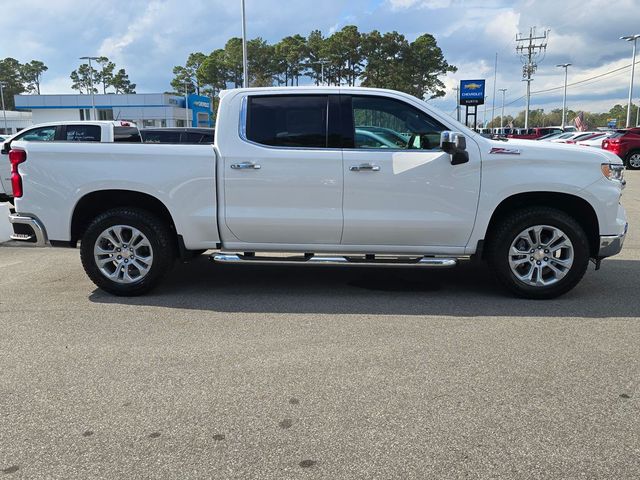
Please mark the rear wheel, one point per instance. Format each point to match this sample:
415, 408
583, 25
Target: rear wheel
539, 253
633, 160
127, 251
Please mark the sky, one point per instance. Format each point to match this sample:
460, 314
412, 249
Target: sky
148, 38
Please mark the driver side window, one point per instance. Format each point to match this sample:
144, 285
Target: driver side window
381, 122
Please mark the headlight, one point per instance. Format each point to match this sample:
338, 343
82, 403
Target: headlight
614, 172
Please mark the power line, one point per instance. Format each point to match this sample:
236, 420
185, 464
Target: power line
579, 82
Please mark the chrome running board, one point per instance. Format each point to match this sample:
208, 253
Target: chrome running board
423, 262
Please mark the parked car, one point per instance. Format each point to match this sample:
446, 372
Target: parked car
80, 131
595, 141
191, 135
626, 144
534, 133
573, 137
284, 175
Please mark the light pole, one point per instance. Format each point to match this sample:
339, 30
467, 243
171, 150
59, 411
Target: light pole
631, 38
186, 104
503, 90
245, 63
93, 100
564, 97
4, 112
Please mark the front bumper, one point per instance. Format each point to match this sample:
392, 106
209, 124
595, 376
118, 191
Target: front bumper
612, 244
28, 229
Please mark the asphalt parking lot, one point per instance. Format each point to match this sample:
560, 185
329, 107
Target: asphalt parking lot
284, 373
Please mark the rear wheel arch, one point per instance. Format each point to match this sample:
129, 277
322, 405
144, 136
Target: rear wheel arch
95, 203
577, 207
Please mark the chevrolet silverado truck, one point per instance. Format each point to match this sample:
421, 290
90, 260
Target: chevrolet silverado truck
289, 181
69, 131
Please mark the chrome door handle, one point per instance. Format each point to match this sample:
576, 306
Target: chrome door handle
245, 166
364, 167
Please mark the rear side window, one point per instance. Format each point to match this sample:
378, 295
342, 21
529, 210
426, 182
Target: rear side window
197, 137
161, 137
126, 134
82, 133
288, 120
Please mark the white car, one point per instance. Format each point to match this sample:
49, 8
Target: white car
595, 141
288, 175
572, 137
80, 131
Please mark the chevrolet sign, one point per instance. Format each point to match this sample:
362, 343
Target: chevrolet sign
472, 92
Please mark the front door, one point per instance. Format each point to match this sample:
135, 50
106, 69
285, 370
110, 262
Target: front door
400, 188
284, 185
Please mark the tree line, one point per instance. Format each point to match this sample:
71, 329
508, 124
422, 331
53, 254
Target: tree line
346, 57
17, 78
103, 78
539, 118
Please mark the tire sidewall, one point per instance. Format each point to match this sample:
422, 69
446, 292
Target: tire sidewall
558, 219
628, 161
150, 227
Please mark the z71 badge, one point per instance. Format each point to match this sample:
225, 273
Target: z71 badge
504, 151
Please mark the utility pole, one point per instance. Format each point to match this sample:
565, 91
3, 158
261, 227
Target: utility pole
93, 99
4, 112
245, 63
457, 89
564, 97
529, 53
503, 90
631, 38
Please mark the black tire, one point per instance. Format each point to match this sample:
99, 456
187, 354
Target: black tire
506, 232
627, 161
158, 234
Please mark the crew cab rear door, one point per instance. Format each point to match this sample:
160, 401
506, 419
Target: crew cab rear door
283, 180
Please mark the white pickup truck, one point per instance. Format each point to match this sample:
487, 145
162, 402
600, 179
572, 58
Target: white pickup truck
331, 176
99, 131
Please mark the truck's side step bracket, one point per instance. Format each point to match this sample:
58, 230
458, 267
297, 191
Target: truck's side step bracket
368, 261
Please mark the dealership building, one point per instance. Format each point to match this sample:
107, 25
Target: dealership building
145, 109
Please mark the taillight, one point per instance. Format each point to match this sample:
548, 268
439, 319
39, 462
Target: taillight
16, 157
611, 145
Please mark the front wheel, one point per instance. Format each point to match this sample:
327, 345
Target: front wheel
127, 251
539, 253
633, 160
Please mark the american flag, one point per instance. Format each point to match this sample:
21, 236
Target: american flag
579, 122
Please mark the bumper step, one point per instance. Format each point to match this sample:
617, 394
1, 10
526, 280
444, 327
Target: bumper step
419, 262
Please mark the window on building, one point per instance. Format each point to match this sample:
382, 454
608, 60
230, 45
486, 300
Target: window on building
382, 122
82, 133
105, 114
148, 123
288, 120
180, 123
85, 114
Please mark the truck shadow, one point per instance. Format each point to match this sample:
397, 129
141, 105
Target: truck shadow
467, 290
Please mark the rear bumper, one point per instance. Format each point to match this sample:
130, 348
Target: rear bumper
28, 229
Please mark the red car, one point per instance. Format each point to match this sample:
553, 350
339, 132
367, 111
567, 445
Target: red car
625, 144
533, 133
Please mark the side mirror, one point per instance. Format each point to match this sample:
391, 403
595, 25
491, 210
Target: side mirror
455, 144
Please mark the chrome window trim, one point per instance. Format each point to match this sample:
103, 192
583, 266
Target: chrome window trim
242, 132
